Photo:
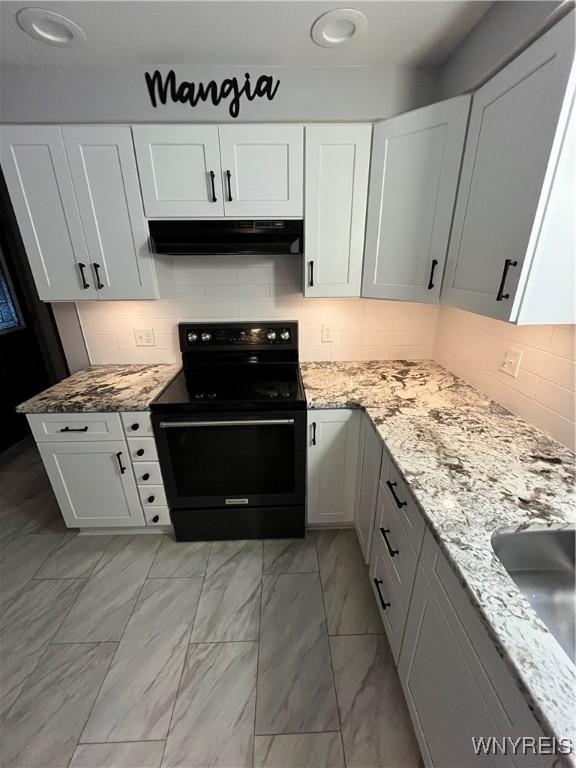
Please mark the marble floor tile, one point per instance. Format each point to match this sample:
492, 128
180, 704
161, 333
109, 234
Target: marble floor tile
213, 721
42, 513
350, 605
27, 627
104, 607
229, 605
75, 558
291, 555
180, 559
43, 726
134, 754
295, 684
20, 559
376, 727
299, 750
136, 700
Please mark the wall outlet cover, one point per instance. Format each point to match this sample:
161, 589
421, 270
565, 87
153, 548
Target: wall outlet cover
144, 337
327, 334
510, 362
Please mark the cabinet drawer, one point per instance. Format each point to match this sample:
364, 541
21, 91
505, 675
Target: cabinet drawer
391, 611
402, 501
152, 495
142, 449
137, 423
69, 427
157, 516
148, 473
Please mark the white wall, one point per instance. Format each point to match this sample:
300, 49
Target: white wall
226, 288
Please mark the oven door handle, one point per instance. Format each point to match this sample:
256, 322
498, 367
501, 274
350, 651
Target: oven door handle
245, 423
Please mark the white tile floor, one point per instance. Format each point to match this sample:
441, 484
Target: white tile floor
141, 652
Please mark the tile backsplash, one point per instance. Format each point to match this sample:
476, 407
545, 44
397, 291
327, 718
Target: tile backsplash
236, 288
543, 393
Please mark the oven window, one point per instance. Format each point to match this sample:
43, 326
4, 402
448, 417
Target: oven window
226, 461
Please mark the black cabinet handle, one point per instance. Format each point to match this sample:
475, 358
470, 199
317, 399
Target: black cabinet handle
384, 531
229, 182
120, 465
213, 185
383, 603
150, 499
431, 281
399, 503
155, 518
310, 273
140, 452
134, 427
145, 476
507, 264
313, 433
82, 267
74, 429
99, 283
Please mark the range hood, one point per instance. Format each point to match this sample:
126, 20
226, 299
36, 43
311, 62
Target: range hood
218, 236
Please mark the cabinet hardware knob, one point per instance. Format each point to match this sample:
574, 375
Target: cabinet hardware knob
433, 269
214, 198
135, 427
150, 499
99, 283
155, 518
140, 452
82, 267
507, 264
119, 460
392, 551
399, 503
229, 182
383, 603
145, 476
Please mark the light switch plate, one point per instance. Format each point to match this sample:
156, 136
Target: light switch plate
510, 362
327, 334
144, 337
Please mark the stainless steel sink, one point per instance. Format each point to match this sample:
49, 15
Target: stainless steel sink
541, 562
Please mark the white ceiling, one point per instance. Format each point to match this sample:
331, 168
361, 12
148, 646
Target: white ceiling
229, 32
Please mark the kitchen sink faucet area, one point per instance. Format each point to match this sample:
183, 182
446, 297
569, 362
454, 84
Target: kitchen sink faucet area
288, 419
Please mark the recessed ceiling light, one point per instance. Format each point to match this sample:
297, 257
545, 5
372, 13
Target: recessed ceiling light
50, 27
337, 27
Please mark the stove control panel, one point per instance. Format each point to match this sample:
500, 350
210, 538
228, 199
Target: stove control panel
238, 335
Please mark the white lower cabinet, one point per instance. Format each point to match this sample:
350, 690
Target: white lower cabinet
371, 448
93, 483
333, 437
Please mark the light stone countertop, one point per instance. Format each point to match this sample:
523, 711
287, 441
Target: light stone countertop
474, 468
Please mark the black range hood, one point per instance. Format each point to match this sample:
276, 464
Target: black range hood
221, 236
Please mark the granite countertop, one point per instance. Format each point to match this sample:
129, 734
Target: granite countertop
474, 468
103, 388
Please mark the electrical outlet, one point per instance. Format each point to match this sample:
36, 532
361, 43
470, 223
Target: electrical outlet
327, 334
144, 337
510, 362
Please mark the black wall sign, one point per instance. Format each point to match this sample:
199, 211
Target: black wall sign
160, 89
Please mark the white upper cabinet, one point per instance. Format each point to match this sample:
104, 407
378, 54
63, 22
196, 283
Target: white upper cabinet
516, 188
106, 183
262, 170
416, 159
40, 187
337, 167
179, 168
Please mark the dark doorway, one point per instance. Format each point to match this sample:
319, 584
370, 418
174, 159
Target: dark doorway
31, 357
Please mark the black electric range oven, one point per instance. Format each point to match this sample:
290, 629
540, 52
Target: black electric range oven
231, 433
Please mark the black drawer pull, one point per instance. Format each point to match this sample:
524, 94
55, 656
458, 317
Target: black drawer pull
150, 499
507, 264
155, 518
145, 476
214, 198
74, 429
431, 281
82, 267
99, 283
140, 452
313, 433
383, 603
311, 273
119, 460
229, 180
384, 531
135, 427
399, 503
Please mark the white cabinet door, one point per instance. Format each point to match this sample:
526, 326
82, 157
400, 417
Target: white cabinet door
179, 167
337, 166
333, 437
106, 183
416, 159
262, 170
40, 187
512, 128
93, 483
372, 450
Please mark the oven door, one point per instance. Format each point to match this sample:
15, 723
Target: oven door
232, 460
